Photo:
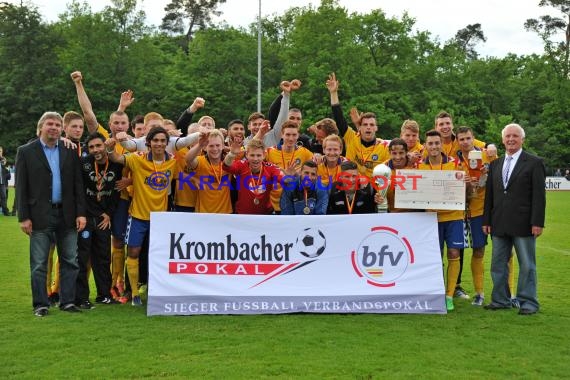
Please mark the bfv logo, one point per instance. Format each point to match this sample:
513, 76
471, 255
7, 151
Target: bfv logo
382, 257
369, 257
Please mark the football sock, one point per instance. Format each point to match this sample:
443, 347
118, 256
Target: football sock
477, 272
133, 271
452, 273
117, 264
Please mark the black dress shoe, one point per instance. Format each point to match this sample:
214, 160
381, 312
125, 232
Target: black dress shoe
70, 308
527, 312
494, 306
41, 312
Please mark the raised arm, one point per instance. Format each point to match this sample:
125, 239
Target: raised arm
262, 133
332, 86
194, 152
235, 149
274, 135
130, 144
183, 142
113, 155
127, 98
84, 102
186, 117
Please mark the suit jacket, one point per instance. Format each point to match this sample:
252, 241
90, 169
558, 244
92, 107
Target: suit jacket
513, 210
33, 192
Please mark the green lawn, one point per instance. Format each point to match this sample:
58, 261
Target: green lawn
119, 341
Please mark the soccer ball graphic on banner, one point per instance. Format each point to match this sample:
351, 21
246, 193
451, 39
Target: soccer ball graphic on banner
311, 242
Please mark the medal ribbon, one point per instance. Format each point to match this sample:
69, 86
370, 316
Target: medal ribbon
99, 178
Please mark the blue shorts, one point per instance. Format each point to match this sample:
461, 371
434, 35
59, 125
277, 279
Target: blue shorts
119, 219
137, 230
452, 234
184, 208
477, 239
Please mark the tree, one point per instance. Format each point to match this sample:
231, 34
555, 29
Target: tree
548, 27
468, 37
197, 12
30, 76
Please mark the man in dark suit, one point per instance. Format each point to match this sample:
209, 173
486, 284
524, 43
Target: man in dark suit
51, 208
515, 205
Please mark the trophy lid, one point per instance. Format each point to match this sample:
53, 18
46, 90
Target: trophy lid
475, 155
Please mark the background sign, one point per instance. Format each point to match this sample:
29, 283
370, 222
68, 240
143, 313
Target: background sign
557, 184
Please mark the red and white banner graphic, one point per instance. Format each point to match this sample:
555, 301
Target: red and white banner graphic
250, 264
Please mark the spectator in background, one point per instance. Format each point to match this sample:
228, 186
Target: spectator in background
4, 178
558, 173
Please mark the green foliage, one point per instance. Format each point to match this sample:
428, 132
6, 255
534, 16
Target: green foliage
384, 66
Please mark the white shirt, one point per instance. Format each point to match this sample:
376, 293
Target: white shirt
515, 158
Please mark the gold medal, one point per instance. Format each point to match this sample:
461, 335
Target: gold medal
306, 210
255, 201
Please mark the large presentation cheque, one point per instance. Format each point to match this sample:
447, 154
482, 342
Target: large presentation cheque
432, 190
247, 264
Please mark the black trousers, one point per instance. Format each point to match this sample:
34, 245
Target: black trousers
94, 245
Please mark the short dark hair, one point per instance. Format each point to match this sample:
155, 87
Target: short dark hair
367, 115
234, 121
139, 119
463, 129
398, 141
155, 131
443, 114
309, 163
433, 132
93, 136
255, 115
348, 165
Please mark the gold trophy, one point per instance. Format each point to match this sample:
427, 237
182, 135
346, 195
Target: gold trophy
381, 176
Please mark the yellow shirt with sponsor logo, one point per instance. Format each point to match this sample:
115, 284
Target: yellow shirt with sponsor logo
151, 182
447, 164
213, 198
185, 195
475, 199
284, 159
365, 157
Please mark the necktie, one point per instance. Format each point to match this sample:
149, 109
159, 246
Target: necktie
506, 167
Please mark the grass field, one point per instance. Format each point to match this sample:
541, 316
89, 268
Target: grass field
119, 341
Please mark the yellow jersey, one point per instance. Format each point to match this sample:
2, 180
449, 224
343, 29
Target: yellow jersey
284, 159
184, 195
365, 157
212, 197
151, 182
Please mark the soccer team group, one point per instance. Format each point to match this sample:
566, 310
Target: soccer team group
193, 167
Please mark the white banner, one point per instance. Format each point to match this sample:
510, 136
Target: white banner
557, 184
431, 190
246, 264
